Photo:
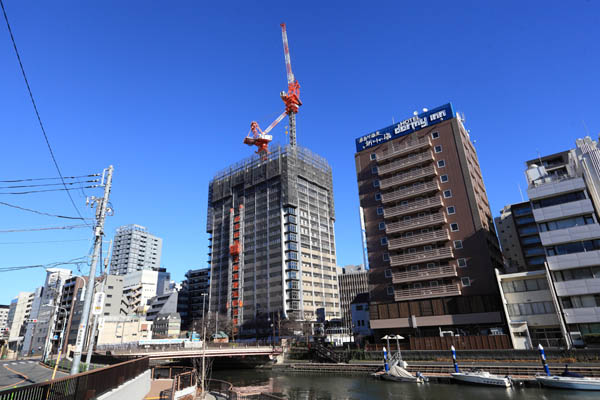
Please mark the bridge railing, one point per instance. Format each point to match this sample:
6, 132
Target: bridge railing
86, 385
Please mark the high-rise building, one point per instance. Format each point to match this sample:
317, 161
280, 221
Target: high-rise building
563, 191
18, 313
272, 243
197, 284
352, 281
135, 249
519, 238
430, 236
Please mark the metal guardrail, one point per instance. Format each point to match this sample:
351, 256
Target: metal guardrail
86, 385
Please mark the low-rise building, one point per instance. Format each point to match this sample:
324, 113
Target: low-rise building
4, 320
352, 280
123, 329
359, 309
166, 326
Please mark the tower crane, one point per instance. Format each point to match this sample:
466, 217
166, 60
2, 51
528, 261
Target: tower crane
261, 139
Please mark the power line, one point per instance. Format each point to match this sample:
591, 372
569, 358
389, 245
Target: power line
47, 241
12, 38
36, 211
75, 261
47, 184
50, 228
54, 190
47, 179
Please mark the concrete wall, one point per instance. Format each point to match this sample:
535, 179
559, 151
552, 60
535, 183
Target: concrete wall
135, 389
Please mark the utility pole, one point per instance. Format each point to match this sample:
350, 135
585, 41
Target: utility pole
203, 346
101, 206
92, 339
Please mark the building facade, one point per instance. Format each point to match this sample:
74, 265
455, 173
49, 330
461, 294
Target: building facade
352, 281
166, 326
272, 241
197, 283
431, 242
18, 313
359, 312
520, 239
135, 249
140, 286
122, 330
4, 308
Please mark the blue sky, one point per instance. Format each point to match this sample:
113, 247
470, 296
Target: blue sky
165, 91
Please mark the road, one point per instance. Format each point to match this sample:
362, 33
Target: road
24, 372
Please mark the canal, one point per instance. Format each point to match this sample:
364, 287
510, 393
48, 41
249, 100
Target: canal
355, 387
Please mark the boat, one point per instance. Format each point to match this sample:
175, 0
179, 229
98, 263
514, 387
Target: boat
569, 380
398, 373
479, 377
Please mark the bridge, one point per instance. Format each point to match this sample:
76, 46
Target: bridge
213, 350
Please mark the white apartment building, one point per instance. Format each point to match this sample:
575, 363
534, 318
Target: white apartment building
18, 312
140, 286
134, 249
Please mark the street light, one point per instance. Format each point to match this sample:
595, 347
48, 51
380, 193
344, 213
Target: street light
203, 344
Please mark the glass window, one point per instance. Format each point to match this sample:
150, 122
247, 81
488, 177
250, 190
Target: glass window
564, 198
386, 257
458, 244
451, 210
374, 169
376, 183
381, 226
542, 283
388, 273
444, 178
462, 262
373, 156
441, 164
437, 149
454, 227
525, 309
519, 285
465, 281
531, 284
384, 241
549, 307
435, 135
390, 290
507, 287
447, 193
379, 210
377, 196
538, 308
566, 302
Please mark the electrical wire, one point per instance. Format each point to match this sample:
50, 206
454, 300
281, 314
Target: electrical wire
47, 241
14, 43
54, 190
37, 212
47, 179
47, 184
75, 261
50, 228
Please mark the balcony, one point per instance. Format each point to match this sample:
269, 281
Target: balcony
420, 239
412, 191
424, 274
421, 257
407, 177
404, 148
405, 163
415, 223
425, 293
411, 208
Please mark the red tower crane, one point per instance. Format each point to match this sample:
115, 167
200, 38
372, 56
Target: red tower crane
291, 98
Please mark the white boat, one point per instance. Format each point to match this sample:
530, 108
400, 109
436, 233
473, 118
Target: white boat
569, 382
398, 373
482, 378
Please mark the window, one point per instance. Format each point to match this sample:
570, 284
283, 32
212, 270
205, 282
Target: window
435, 135
462, 262
388, 273
373, 156
566, 223
377, 196
437, 149
451, 210
458, 244
381, 226
390, 290
447, 193
376, 183
454, 227
374, 170
441, 164
444, 178
386, 256
574, 247
466, 281
384, 241
379, 210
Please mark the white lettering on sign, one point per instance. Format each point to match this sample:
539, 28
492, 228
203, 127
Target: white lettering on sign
98, 305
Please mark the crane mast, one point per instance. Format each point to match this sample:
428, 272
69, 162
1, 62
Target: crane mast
292, 97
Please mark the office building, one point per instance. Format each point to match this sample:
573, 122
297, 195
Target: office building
430, 236
29, 328
135, 249
352, 281
272, 241
71, 307
197, 284
18, 313
563, 190
519, 238
140, 286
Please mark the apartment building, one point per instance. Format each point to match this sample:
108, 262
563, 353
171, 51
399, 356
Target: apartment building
352, 281
140, 286
135, 249
431, 242
4, 308
520, 239
18, 313
563, 193
272, 241
196, 285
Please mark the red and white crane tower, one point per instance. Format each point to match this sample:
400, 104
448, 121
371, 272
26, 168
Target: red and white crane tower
291, 98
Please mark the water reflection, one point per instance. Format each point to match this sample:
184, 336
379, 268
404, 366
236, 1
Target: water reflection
327, 387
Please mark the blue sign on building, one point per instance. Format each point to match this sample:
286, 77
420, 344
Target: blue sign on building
405, 127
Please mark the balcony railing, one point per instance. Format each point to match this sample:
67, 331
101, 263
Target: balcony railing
404, 148
413, 207
420, 239
405, 163
408, 177
424, 274
421, 257
429, 292
415, 223
412, 191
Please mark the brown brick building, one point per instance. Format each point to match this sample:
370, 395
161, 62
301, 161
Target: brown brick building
430, 236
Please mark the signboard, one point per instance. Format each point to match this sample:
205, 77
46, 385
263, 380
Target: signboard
405, 127
98, 304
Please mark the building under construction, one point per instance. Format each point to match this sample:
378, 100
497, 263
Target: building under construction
272, 245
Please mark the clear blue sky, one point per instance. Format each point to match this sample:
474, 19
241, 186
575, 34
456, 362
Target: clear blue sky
165, 91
